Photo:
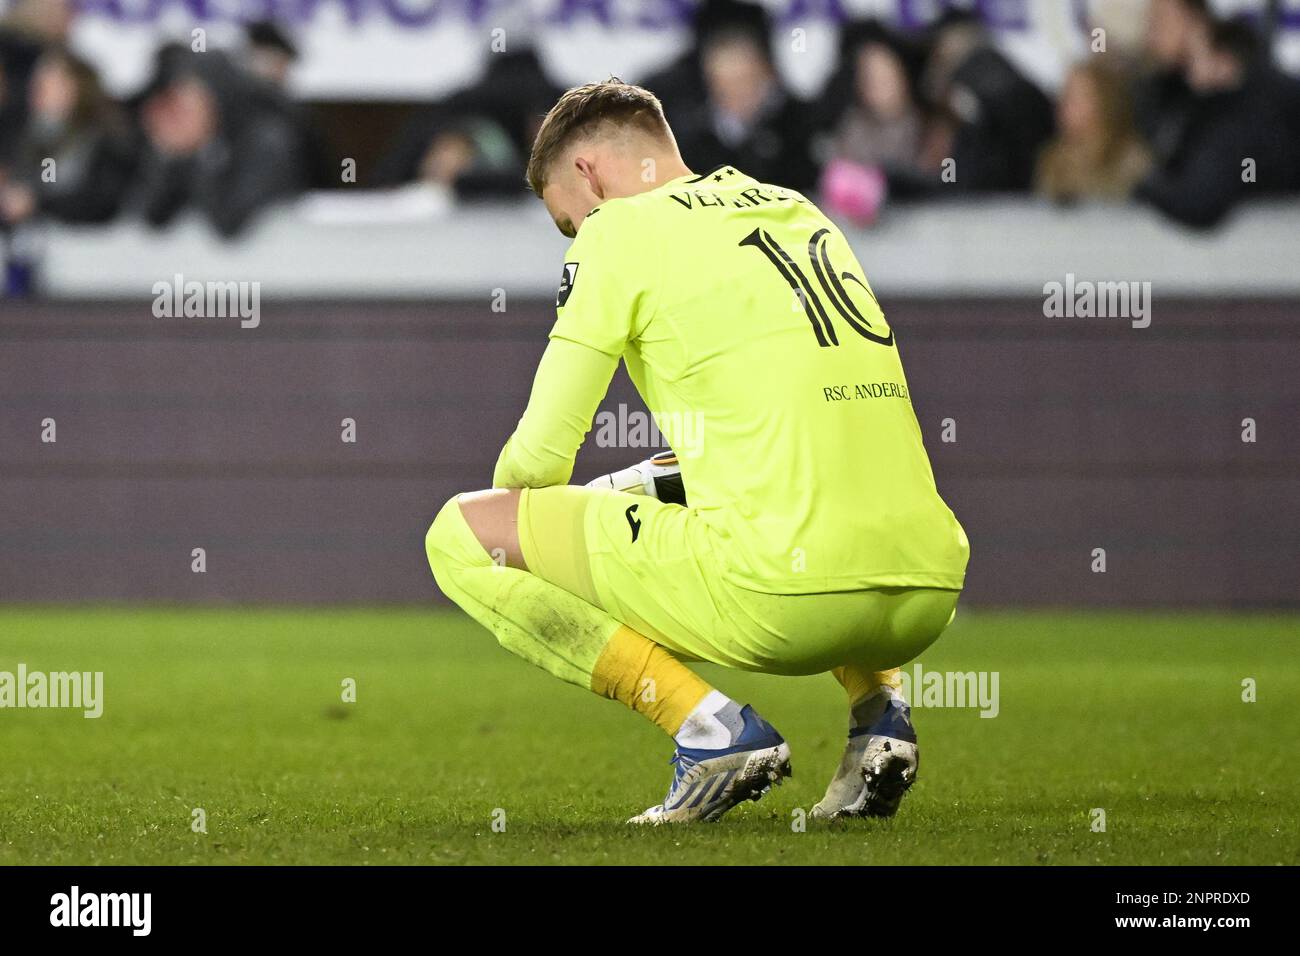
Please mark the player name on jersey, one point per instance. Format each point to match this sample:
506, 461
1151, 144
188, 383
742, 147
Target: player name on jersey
750, 196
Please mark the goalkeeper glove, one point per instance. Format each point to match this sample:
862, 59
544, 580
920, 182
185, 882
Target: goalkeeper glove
659, 477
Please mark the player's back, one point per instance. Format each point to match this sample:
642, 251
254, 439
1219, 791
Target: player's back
758, 344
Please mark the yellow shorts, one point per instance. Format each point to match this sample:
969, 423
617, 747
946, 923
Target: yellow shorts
654, 567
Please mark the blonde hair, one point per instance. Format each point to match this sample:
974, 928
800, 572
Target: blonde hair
582, 111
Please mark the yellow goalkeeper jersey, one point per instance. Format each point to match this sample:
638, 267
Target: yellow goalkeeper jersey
754, 337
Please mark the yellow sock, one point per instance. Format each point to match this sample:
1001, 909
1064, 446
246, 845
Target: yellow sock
648, 679
860, 682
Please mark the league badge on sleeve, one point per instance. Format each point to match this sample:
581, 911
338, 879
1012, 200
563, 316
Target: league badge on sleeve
566, 283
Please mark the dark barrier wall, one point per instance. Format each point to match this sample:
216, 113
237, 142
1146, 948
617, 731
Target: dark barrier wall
175, 434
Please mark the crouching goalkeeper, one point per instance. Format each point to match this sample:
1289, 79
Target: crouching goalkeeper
813, 538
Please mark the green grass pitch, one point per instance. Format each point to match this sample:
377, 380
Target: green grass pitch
239, 712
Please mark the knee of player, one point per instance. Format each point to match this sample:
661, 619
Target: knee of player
440, 541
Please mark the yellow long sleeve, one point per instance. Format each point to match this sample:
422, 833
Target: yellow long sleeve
570, 382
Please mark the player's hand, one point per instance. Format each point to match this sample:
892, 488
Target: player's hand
659, 477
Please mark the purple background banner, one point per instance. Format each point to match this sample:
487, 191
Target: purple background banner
174, 434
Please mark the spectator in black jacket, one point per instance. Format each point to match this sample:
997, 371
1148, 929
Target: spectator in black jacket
1162, 99
996, 119
678, 85
76, 156
1240, 137
26, 31
270, 55
746, 118
218, 141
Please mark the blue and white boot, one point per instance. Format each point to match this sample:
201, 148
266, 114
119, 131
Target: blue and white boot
739, 757
879, 763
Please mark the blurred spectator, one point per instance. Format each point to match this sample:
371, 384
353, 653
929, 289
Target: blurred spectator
218, 141
1163, 98
75, 158
473, 157
993, 119
1097, 153
270, 55
219, 133
883, 123
746, 118
29, 27
679, 84
476, 142
1240, 138
877, 138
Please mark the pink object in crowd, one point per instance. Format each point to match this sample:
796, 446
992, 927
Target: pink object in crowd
852, 191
